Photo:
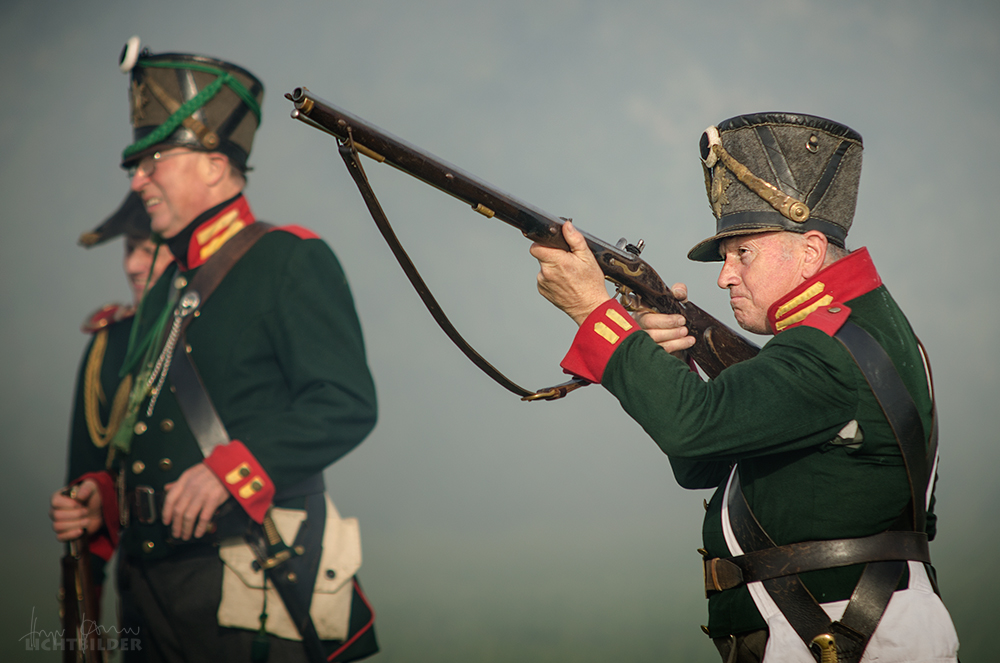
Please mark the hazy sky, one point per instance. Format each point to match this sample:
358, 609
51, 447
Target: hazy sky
496, 530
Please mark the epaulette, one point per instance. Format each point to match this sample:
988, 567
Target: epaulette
828, 319
105, 316
298, 231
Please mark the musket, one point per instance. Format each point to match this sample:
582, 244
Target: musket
79, 608
639, 286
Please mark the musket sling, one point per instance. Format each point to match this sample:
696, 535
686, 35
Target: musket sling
349, 152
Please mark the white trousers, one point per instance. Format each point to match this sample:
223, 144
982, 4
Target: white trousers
915, 628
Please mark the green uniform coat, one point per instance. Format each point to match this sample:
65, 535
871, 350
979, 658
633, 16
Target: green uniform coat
778, 416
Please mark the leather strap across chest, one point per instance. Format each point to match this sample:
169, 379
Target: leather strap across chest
885, 554
301, 560
193, 399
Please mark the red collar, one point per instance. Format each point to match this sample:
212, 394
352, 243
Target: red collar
212, 233
841, 282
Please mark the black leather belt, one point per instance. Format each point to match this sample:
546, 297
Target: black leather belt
146, 503
791, 559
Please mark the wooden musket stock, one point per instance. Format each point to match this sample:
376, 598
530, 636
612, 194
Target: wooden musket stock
716, 346
79, 607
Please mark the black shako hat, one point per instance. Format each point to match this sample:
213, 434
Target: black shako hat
194, 101
779, 171
130, 219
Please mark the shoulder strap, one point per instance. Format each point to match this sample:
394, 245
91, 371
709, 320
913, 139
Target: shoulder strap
209, 431
880, 578
900, 411
211, 274
194, 401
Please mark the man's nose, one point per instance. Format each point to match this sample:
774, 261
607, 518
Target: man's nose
134, 264
727, 276
138, 180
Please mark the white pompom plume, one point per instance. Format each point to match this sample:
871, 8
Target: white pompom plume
130, 55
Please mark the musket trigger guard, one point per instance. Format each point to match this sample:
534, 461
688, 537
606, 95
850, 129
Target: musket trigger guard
630, 301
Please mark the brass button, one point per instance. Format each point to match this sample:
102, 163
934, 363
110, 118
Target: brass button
165, 464
148, 546
180, 282
138, 466
292, 577
244, 471
140, 427
834, 309
256, 485
167, 425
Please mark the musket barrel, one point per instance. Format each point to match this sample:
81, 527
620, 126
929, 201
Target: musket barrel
716, 346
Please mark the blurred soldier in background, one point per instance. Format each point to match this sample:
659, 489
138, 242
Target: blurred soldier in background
217, 492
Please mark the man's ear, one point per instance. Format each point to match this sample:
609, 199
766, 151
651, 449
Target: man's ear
815, 244
216, 168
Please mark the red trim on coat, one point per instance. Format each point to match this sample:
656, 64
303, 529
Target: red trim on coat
211, 234
825, 294
298, 231
361, 631
105, 316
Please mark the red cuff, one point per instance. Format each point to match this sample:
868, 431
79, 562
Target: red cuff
103, 543
598, 338
243, 476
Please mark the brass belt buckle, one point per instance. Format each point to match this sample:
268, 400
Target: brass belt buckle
711, 576
721, 574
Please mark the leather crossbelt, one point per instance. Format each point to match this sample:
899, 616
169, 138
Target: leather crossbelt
794, 558
283, 565
885, 555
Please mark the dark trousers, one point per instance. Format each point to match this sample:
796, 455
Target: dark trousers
743, 648
170, 605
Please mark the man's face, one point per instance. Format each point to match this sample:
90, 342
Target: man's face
138, 261
758, 270
171, 188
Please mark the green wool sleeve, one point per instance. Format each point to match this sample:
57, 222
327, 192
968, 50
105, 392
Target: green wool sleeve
695, 474
795, 394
